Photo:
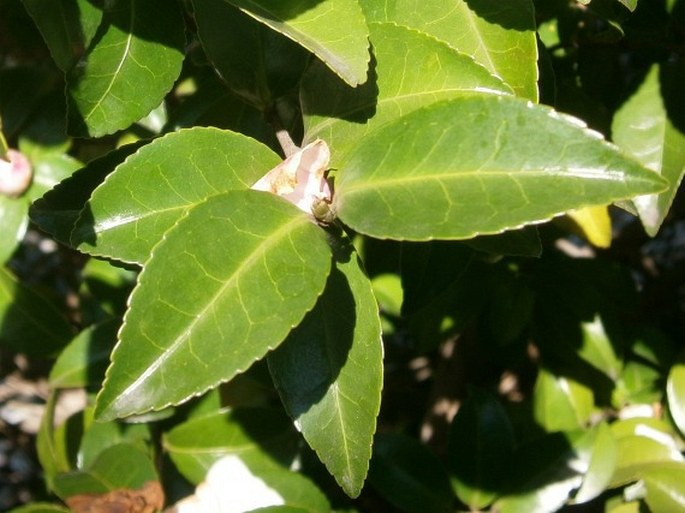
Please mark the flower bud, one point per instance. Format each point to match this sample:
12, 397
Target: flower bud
300, 178
15, 174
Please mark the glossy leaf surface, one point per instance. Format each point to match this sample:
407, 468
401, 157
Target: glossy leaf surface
485, 164
128, 214
410, 70
500, 36
137, 43
560, 403
258, 436
315, 24
329, 372
247, 266
644, 128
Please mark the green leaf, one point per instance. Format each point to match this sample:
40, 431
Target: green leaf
484, 164
603, 453
641, 447
128, 214
119, 467
409, 475
644, 128
84, 360
29, 323
13, 213
675, 393
480, 449
257, 63
246, 267
101, 435
137, 43
260, 437
498, 35
67, 27
410, 70
57, 211
560, 403
630, 4
329, 372
316, 25
665, 488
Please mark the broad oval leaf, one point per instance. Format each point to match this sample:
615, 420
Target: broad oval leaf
13, 212
499, 35
645, 129
128, 214
316, 25
138, 42
224, 287
258, 436
560, 403
478, 468
479, 164
329, 372
410, 70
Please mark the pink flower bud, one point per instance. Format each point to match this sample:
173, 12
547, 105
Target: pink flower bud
300, 178
15, 174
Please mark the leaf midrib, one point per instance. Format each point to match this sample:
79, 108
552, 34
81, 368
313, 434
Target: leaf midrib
275, 237
122, 61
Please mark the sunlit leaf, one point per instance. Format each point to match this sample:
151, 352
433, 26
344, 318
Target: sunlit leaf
410, 70
246, 267
137, 43
644, 128
484, 164
499, 35
128, 214
315, 24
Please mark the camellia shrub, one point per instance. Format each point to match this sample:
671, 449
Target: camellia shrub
348, 255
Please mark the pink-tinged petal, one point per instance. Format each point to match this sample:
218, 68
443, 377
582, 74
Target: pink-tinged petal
15, 174
300, 178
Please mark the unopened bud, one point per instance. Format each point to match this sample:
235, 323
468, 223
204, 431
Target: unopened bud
15, 174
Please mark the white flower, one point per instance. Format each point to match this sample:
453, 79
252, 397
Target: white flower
15, 174
300, 178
